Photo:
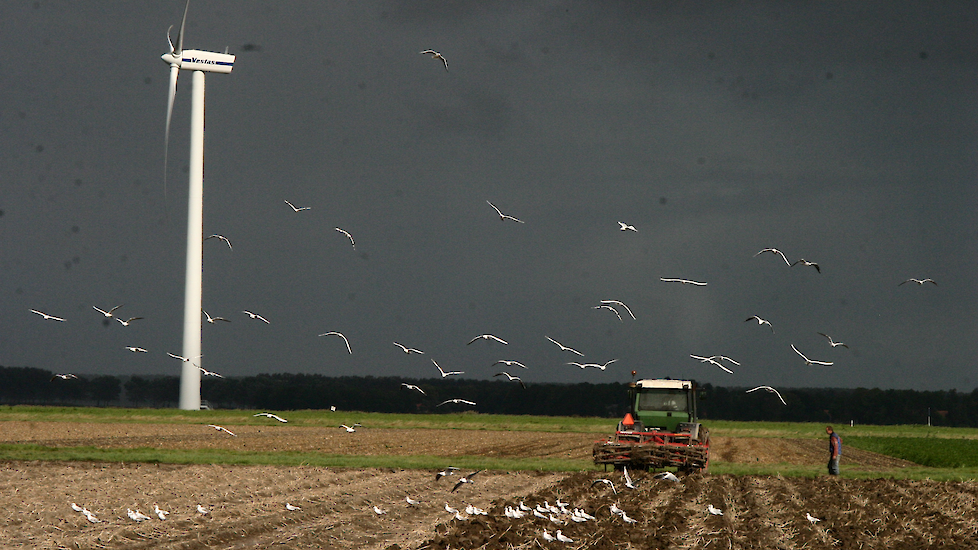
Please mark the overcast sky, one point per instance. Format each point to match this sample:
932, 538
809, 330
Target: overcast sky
839, 132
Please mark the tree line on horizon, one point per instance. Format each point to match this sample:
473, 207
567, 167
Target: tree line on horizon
287, 391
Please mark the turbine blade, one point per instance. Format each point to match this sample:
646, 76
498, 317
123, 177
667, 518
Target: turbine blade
174, 73
183, 24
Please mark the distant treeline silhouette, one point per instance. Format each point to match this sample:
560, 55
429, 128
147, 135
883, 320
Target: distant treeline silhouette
27, 385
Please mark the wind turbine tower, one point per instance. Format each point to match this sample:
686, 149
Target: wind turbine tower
199, 62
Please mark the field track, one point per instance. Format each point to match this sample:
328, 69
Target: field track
247, 503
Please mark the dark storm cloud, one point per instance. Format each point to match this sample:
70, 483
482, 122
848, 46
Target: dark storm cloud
838, 132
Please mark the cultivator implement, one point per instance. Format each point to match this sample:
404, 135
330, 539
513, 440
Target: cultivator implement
687, 450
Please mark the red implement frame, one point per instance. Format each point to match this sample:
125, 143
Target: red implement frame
655, 449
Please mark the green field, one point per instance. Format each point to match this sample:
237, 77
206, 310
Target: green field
942, 453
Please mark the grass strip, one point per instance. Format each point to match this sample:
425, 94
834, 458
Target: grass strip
927, 451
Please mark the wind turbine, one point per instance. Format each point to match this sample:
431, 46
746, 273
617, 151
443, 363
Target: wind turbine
199, 62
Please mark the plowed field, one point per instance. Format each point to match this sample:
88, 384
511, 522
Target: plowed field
247, 505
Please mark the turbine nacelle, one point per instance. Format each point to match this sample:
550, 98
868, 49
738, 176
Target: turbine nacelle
200, 60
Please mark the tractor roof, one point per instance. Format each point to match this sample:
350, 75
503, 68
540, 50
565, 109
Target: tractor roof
662, 383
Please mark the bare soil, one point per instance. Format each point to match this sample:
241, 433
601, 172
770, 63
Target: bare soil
248, 504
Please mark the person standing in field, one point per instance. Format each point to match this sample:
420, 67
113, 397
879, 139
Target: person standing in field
835, 450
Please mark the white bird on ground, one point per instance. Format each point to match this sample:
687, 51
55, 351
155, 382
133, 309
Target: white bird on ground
606, 306
548, 537
221, 237
90, 516
811, 518
413, 387
683, 281
712, 361
912, 280
297, 209
475, 510
563, 347
774, 251
107, 313
347, 233
408, 350
760, 321
126, 322
832, 342
666, 476
202, 510
211, 320
805, 262
255, 316
607, 482
270, 415
66, 376
488, 337
464, 479
206, 372
379, 511
622, 304
160, 513
411, 501
450, 510
135, 349
622, 226
340, 334
626, 518
503, 217
770, 390
349, 429
136, 515
714, 510
449, 373
436, 55
810, 361
220, 429
563, 538
614, 509
509, 363
511, 378
46, 316
292, 508
456, 401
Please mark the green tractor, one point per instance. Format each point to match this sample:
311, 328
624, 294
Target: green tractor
661, 430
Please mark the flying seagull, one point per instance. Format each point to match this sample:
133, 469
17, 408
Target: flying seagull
774, 251
220, 429
436, 55
46, 316
803, 261
270, 415
126, 322
666, 476
67, 376
349, 429
622, 304
622, 226
463, 480
770, 390
683, 281
599, 366
712, 360
628, 478
488, 337
449, 471
760, 321
182, 358
255, 316
413, 387
340, 334
206, 372
107, 313
606, 306
446, 374
509, 363
607, 482
347, 233
504, 217
408, 350
919, 281
222, 237
563, 347
511, 378
298, 209
135, 349
456, 401
810, 361
832, 342
211, 320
